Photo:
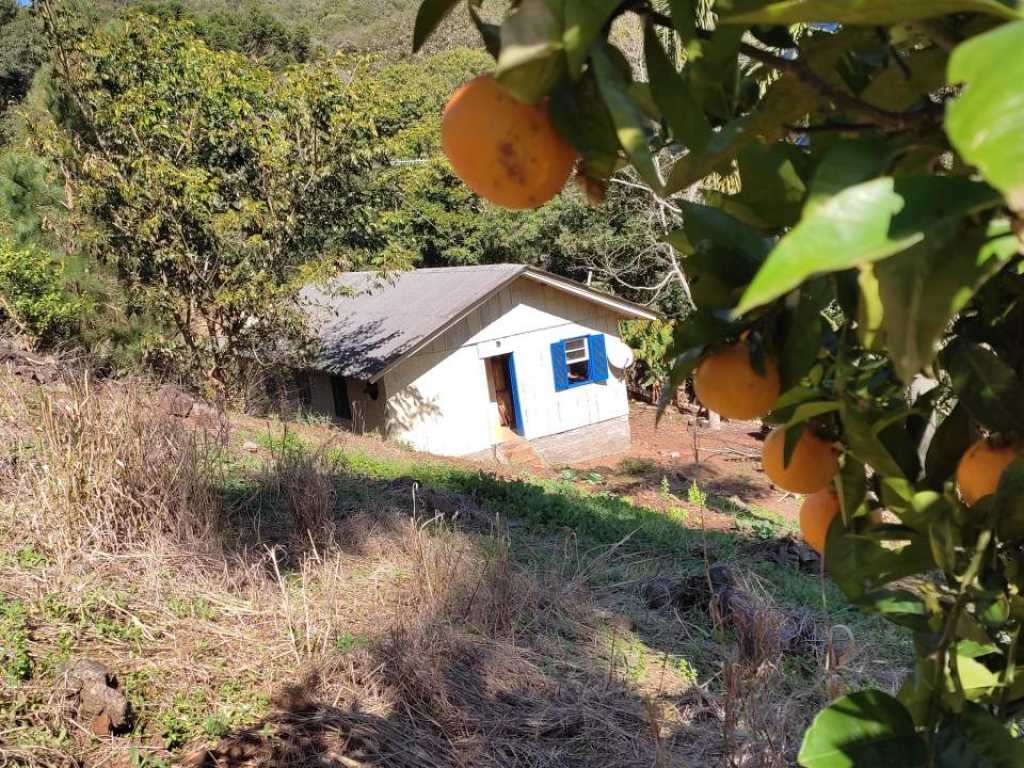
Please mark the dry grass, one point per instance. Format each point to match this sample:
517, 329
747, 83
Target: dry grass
255, 615
106, 470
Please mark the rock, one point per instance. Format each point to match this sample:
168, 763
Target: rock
674, 455
99, 703
250, 446
172, 400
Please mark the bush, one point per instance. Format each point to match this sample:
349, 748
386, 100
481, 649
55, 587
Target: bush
32, 294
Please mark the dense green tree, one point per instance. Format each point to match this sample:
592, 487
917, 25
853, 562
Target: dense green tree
21, 53
251, 30
211, 184
868, 246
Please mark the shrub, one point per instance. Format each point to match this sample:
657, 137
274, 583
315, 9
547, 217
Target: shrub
32, 294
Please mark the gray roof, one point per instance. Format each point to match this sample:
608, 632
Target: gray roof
367, 323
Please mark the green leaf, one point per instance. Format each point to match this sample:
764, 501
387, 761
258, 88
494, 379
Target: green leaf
986, 121
954, 435
786, 100
1010, 502
802, 345
987, 387
671, 92
429, 16
903, 85
863, 729
773, 189
852, 486
489, 33
859, 563
628, 118
864, 443
584, 20
721, 254
580, 116
865, 223
532, 56
899, 606
976, 679
684, 18
977, 739
845, 164
868, 12
923, 288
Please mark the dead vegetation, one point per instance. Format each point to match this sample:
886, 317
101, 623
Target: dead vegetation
280, 611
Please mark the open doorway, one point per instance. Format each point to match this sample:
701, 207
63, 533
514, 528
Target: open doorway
501, 383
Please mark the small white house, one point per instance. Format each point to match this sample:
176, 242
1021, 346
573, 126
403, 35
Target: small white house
472, 361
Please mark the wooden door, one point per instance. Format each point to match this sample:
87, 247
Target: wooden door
502, 390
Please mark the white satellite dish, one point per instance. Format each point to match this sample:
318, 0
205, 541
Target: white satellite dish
620, 355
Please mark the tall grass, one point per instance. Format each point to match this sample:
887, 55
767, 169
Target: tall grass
107, 470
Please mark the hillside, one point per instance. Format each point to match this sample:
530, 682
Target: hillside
363, 25
265, 592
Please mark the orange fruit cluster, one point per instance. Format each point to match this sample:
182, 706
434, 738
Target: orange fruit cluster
506, 151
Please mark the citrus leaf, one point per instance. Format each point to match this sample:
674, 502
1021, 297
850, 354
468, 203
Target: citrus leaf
580, 116
532, 56
987, 387
865, 444
952, 438
986, 121
803, 341
584, 20
977, 739
785, 101
844, 164
923, 288
684, 18
429, 16
773, 187
868, 12
864, 223
1010, 502
686, 120
905, 84
628, 117
864, 728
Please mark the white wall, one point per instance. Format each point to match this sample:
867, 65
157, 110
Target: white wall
438, 400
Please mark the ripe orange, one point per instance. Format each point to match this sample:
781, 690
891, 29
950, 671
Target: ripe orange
816, 515
810, 468
727, 383
504, 150
981, 466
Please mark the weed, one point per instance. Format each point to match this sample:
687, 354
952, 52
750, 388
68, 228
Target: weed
696, 496
666, 489
634, 466
594, 478
29, 559
14, 656
288, 444
346, 642
191, 608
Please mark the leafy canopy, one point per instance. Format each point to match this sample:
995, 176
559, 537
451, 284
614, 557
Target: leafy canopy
211, 184
869, 239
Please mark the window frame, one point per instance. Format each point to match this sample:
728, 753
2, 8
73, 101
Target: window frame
593, 349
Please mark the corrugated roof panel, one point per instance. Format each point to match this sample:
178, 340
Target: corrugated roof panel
366, 323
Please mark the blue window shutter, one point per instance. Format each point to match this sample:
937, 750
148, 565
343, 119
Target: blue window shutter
598, 368
558, 366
